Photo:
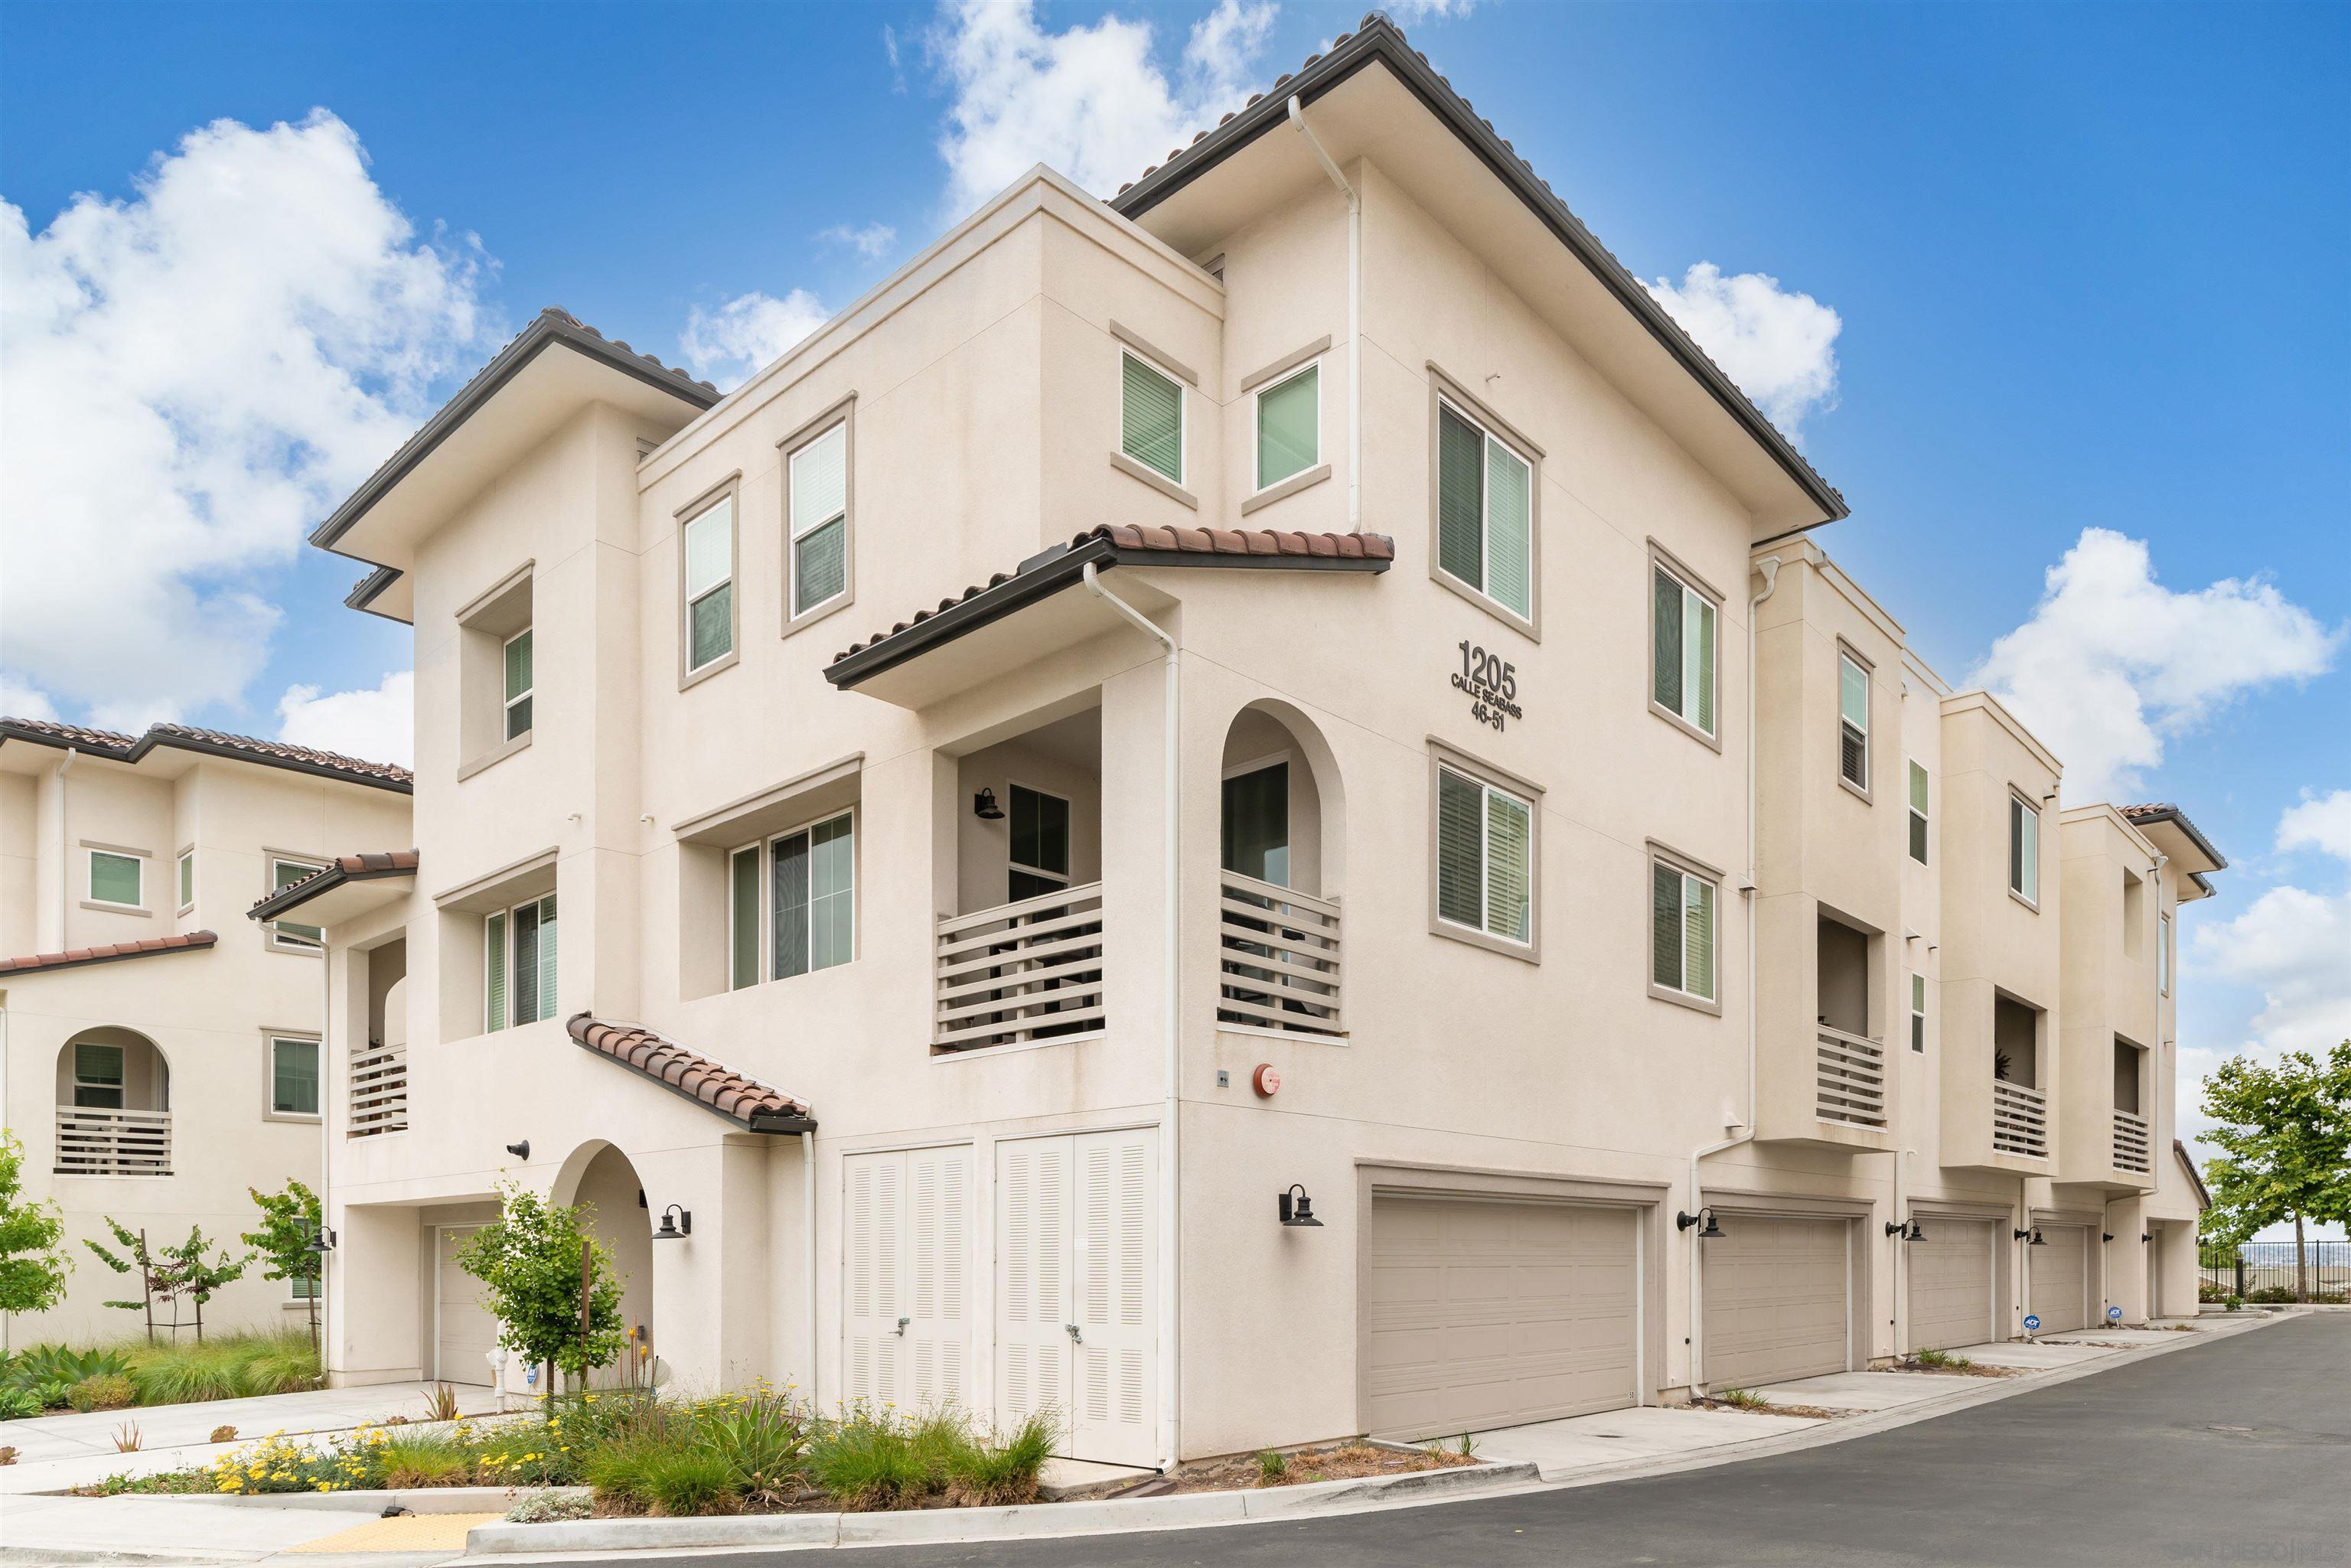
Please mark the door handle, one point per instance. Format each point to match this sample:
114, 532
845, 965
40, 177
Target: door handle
1077, 1336
901, 1330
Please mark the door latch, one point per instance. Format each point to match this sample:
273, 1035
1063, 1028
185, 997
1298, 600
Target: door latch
1077, 1336
901, 1330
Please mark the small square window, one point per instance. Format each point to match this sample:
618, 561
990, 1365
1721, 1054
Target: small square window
1288, 427
98, 1076
1484, 858
117, 879
293, 1077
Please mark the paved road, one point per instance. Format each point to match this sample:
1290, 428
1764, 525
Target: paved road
2237, 1452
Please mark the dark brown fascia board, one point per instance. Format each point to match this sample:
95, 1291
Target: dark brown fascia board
1378, 41
2203, 1193
759, 1121
2174, 815
1042, 576
545, 331
295, 894
190, 947
139, 749
369, 589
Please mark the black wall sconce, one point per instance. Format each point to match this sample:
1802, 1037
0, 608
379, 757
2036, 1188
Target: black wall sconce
322, 1243
1705, 1217
520, 1151
1910, 1232
984, 807
2106, 1236
2145, 1236
2030, 1238
1297, 1210
676, 1224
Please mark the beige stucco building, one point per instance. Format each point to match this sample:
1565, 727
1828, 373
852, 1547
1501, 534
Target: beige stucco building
160, 1053
1298, 682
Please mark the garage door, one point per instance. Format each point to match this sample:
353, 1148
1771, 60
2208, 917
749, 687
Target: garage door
1950, 1283
2061, 1278
1485, 1315
464, 1332
1775, 1301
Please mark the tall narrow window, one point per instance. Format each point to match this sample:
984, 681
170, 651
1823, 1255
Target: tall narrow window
1681, 931
294, 1077
710, 585
1682, 661
812, 878
2163, 956
1918, 1012
187, 878
1485, 510
819, 520
116, 879
493, 971
518, 684
1037, 845
287, 934
1255, 831
1853, 721
1151, 418
1917, 813
743, 917
1485, 857
519, 970
2025, 849
98, 1077
1288, 427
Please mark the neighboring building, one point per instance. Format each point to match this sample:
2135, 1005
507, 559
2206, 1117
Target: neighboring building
1317, 795
160, 1055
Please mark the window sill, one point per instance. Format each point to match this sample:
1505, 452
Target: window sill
495, 756
725, 661
808, 618
1684, 999
2028, 903
293, 950
311, 1120
1856, 790
1155, 478
1522, 624
1282, 489
1524, 952
102, 907
185, 911
1685, 726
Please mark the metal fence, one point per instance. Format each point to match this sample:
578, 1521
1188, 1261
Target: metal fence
2265, 1270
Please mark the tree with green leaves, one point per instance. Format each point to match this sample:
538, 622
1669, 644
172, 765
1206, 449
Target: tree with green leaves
32, 1265
289, 1223
172, 1274
2284, 1134
554, 1288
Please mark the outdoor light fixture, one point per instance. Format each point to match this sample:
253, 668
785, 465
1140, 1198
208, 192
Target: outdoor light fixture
520, 1151
1910, 1232
676, 1224
2106, 1236
1298, 1210
2030, 1238
1705, 1217
2145, 1236
322, 1243
984, 807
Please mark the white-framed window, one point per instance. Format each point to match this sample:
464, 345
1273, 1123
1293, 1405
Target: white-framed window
791, 903
1485, 512
1917, 1012
118, 878
187, 879
518, 686
98, 1076
1681, 931
709, 584
1151, 416
2024, 849
1289, 417
1682, 658
1917, 813
293, 1077
286, 934
518, 964
818, 502
1485, 857
1037, 847
1853, 720
301, 1288
2163, 955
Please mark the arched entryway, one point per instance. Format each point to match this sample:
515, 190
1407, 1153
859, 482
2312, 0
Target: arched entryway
114, 1104
600, 1178
1279, 850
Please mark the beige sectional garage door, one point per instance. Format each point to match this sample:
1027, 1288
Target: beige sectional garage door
465, 1331
1775, 1301
1950, 1283
1482, 1313
2061, 1278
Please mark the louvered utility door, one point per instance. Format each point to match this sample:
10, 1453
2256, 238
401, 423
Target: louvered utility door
1077, 1289
905, 1277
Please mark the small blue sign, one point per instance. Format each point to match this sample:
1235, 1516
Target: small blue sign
2031, 1321
2114, 1314
532, 1375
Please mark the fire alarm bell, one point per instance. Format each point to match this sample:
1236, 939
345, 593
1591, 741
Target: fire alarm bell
1266, 1081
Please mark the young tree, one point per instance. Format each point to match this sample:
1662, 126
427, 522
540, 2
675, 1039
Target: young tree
289, 1223
554, 1287
172, 1274
2284, 1134
32, 1265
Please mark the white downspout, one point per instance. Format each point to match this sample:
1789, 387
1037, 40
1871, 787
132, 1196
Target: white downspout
1769, 567
65, 852
327, 1302
808, 1224
1170, 1427
1354, 318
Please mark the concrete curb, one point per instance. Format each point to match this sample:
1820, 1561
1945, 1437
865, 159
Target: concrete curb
419, 1500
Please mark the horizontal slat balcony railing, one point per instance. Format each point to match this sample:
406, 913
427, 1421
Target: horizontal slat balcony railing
1849, 1079
2131, 1141
379, 1084
1020, 972
2020, 1120
1281, 960
95, 1142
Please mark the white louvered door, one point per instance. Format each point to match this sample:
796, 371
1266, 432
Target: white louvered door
1032, 1286
938, 1274
873, 1341
905, 1311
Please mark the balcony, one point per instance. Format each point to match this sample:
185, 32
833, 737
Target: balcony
1281, 960
379, 1091
92, 1140
2020, 1120
1849, 1079
2132, 1143
1020, 972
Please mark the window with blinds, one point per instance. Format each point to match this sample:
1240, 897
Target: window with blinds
2024, 849
116, 879
1288, 427
1681, 931
812, 892
1485, 857
1853, 721
1681, 665
293, 1077
710, 585
518, 971
1485, 512
819, 499
1151, 418
1917, 813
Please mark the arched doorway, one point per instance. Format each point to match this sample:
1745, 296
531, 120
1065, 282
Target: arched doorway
114, 1105
1279, 850
602, 1181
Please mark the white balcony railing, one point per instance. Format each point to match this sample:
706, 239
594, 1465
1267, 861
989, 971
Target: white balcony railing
1849, 1079
94, 1142
1280, 959
2131, 1144
1020, 972
379, 1091
2020, 1120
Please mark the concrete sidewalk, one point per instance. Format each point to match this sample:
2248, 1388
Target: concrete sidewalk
41, 1438
84, 1529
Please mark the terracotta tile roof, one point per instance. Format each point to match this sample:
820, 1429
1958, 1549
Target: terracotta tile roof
744, 1101
362, 867
109, 954
120, 748
1268, 546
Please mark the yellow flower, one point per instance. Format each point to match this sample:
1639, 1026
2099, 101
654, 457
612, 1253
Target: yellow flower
229, 1485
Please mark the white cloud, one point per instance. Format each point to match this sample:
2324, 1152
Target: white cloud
2294, 947
1091, 101
373, 725
2322, 822
1780, 347
1404, 13
872, 241
2112, 664
747, 333
187, 377
20, 699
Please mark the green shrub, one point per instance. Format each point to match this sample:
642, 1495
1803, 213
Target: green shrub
686, 1481
764, 1442
42, 1365
53, 1395
1272, 1464
106, 1392
422, 1459
869, 1461
17, 1404
1940, 1358
226, 1367
998, 1474
621, 1472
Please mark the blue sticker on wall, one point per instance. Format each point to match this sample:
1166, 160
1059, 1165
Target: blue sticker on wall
2114, 1314
2031, 1321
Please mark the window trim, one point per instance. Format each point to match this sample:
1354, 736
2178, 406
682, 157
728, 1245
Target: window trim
843, 414
1317, 469
1690, 871
1661, 560
137, 859
271, 1039
184, 873
726, 492
1918, 774
2019, 798
1176, 481
271, 859
1445, 389
1442, 758
1848, 652
529, 694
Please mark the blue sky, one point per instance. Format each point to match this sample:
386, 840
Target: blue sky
2090, 267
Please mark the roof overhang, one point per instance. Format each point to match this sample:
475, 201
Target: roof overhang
175, 747
1373, 97
386, 592
2167, 827
2195, 1176
109, 953
351, 885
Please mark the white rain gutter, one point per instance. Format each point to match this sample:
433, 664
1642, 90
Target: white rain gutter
64, 850
1769, 567
1170, 1427
1354, 318
327, 1302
